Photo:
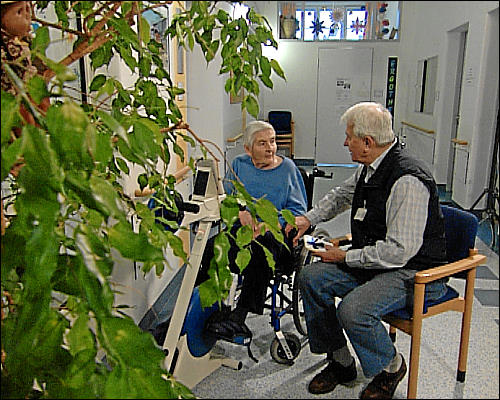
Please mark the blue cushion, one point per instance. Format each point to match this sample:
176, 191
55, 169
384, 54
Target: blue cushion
198, 342
460, 231
404, 313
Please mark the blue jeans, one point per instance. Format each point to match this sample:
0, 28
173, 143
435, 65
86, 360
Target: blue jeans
359, 314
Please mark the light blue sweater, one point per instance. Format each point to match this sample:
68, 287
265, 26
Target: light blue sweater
283, 186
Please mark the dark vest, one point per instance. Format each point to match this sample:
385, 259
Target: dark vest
373, 196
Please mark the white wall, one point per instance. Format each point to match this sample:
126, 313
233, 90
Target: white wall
209, 113
427, 28
299, 60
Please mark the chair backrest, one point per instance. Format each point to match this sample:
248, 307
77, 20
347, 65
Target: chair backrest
281, 121
460, 230
309, 185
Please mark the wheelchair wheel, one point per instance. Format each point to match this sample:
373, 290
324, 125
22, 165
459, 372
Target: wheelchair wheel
278, 353
297, 307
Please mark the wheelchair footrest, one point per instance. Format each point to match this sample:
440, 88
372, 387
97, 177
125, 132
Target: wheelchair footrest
219, 327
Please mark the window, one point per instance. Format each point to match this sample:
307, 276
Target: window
346, 20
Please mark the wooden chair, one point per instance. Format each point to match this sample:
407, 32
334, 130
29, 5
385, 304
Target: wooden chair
463, 259
284, 126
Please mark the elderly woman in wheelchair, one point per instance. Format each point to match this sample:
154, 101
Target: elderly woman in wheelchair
263, 173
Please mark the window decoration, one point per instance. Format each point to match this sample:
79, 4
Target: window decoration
357, 26
317, 26
339, 20
288, 21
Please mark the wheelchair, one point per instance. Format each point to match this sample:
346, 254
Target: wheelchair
284, 299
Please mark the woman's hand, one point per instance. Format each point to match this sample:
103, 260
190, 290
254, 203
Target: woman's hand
246, 219
303, 225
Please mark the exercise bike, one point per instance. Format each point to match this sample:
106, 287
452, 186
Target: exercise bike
176, 319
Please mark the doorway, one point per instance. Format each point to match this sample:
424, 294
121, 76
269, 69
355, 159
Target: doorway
459, 39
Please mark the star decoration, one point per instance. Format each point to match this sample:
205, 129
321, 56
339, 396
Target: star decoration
317, 26
357, 26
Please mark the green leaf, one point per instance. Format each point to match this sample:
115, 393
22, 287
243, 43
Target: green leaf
265, 66
37, 89
266, 81
244, 235
243, 258
41, 40
124, 337
80, 337
277, 68
104, 193
10, 156
251, 105
145, 29
10, 116
113, 125
142, 180
69, 128
267, 212
289, 217
134, 246
269, 258
98, 81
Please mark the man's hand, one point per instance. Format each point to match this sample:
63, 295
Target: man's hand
303, 225
333, 254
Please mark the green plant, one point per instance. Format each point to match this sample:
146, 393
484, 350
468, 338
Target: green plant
58, 316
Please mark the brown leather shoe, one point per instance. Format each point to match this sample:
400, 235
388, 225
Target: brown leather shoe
331, 376
384, 384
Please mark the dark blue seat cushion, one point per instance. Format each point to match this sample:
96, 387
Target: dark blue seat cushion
404, 313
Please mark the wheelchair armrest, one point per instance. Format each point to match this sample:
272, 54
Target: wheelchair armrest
429, 275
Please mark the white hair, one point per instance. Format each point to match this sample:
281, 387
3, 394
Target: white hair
252, 128
370, 119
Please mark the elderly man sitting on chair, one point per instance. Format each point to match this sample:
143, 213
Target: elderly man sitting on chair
263, 173
397, 228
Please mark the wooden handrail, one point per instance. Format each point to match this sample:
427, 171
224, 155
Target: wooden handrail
178, 175
429, 131
235, 138
460, 142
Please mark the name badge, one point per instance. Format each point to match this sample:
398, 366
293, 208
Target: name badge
360, 214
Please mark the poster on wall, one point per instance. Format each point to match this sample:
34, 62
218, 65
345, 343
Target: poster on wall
344, 93
390, 100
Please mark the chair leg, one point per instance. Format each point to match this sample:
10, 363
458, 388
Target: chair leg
416, 335
466, 318
392, 333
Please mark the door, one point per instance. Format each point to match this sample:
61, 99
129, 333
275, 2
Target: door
462, 37
344, 79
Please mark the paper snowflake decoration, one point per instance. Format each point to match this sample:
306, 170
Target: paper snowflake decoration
337, 14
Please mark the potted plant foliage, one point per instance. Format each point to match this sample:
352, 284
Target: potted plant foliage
71, 210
